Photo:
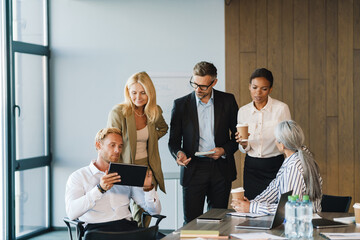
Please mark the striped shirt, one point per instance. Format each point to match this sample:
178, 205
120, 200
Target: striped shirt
290, 177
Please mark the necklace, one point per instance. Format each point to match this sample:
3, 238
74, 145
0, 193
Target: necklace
139, 115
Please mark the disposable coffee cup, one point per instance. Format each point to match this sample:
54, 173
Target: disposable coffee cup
243, 130
357, 213
238, 193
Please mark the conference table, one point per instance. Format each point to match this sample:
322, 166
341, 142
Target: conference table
227, 226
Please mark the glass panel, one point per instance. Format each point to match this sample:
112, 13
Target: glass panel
29, 21
31, 201
3, 95
30, 97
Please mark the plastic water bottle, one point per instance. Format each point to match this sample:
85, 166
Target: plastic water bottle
290, 218
306, 220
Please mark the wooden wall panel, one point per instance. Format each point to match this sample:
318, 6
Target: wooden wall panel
331, 57
357, 124
331, 179
247, 26
357, 24
301, 108
346, 109
301, 39
261, 34
313, 49
317, 90
247, 66
232, 51
287, 52
274, 46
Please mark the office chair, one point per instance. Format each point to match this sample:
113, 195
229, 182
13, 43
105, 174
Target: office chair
142, 233
331, 203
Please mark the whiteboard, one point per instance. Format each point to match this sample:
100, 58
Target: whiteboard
169, 86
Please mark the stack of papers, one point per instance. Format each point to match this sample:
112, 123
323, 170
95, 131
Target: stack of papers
198, 233
341, 235
255, 235
346, 220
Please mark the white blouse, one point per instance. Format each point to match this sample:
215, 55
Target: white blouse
262, 123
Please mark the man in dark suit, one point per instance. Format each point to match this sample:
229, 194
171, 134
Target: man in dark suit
203, 121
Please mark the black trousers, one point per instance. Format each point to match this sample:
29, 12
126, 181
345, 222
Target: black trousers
207, 181
259, 172
113, 226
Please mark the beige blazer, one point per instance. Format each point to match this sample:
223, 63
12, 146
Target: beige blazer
128, 128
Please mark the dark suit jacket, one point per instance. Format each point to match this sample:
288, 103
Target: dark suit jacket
184, 132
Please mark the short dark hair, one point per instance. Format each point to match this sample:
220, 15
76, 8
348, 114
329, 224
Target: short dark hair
263, 72
205, 68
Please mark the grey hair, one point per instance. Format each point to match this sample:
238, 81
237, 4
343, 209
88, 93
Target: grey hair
292, 136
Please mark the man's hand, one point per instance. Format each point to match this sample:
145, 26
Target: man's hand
182, 160
107, 181
242, 206
219, 151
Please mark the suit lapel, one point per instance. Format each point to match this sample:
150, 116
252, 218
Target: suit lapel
217, 112
131, 129
194, 119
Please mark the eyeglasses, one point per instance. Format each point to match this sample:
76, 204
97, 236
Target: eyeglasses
202, 87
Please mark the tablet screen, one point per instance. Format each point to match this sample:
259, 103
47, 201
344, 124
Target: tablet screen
131, 175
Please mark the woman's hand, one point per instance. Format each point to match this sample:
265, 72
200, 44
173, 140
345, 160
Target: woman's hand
241, 205
239, 139
148, 185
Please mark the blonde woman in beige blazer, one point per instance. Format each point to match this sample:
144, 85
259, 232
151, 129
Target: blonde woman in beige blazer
142, 124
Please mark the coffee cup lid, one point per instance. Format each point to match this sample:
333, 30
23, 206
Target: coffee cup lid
356, 205
239, 189
242, 125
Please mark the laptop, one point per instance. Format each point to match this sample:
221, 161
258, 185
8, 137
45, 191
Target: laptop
277, 220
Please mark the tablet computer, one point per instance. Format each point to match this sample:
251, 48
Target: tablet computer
131, 175
326, 223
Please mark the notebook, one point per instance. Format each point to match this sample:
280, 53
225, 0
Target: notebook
326, 223
131, 175
277, 220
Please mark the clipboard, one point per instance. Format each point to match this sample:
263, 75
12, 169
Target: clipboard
131, 175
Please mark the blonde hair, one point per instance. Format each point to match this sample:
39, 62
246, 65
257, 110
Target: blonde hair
151, 110
101, 135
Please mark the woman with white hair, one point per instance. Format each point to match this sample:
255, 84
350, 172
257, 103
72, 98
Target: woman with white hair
299, 173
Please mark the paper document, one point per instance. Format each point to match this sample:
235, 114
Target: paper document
204, 153
341, 235
251, 215
347, 220
255, 235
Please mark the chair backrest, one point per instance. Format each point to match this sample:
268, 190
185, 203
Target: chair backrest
331, 203
142, 233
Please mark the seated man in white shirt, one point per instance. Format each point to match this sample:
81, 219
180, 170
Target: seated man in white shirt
92, 197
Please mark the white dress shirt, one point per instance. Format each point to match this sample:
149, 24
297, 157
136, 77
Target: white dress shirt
83, 199
290, 177
261, 142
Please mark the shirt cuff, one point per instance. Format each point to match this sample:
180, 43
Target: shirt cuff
151, 196
253, 207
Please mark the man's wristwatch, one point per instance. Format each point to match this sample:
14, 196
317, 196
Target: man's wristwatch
100, 188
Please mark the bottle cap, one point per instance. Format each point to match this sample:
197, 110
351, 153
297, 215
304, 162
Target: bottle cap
306, 198
296, 197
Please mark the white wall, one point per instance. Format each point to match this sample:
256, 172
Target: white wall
97, 44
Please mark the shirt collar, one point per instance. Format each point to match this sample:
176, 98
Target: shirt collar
267, 107
94, 170
198, 101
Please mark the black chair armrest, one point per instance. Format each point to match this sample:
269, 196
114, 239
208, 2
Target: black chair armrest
78, 226
158, 216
